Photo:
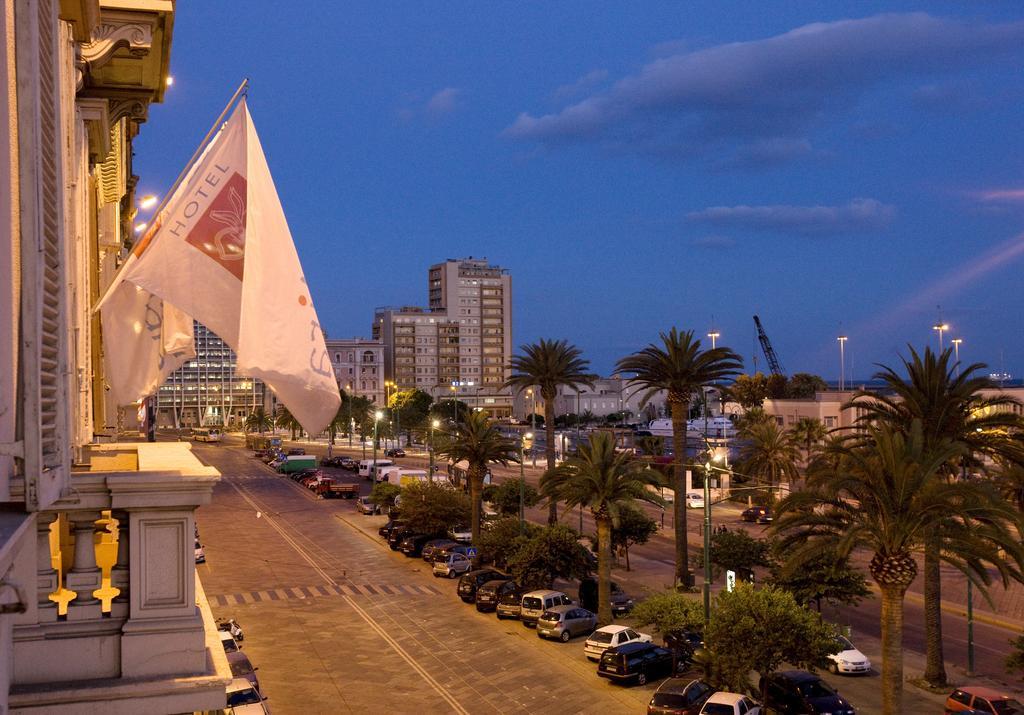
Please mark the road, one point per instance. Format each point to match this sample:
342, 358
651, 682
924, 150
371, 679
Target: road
337, 622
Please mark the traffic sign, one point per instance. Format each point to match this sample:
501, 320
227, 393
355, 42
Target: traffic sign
471, 552
730, 581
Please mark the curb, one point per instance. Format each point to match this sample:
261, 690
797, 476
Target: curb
961, 610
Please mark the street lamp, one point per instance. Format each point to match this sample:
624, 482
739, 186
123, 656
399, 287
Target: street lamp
434, 424
941, 328
714, 335
707, 532
956, 353
842, 362
351, 422
525, 443
377, 417
533, 421
455, 404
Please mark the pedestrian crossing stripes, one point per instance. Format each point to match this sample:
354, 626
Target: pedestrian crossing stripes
304, 592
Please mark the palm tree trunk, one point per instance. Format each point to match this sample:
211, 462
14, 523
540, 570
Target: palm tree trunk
549, 450
892, 648
679, 413
476, 482
604, 569
935, 666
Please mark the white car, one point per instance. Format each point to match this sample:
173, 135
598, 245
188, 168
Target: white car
462, 534
243, 699
228, 641
730, 704
452, 565
609, 637
848, 660
694, 500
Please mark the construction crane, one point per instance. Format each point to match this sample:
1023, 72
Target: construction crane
766, 346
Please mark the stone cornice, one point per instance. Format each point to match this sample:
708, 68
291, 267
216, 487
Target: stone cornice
118, 29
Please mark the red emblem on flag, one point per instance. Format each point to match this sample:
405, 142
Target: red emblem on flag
220, 231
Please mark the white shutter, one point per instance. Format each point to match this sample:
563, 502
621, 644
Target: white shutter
44, 326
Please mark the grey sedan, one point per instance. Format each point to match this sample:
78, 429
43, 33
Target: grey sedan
564, 622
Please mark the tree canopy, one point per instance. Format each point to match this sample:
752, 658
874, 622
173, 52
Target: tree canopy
432, 508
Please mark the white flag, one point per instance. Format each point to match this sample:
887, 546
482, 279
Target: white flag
221, 252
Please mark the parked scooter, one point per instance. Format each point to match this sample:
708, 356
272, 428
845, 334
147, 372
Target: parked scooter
231, 626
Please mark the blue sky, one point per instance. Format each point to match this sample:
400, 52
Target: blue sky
832, 167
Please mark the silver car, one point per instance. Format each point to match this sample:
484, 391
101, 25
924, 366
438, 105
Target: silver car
564, 622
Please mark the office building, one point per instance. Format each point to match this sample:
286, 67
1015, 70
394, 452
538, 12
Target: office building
461, 344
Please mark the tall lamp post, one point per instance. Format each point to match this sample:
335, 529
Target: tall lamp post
434, 424
714, 335
533, 421
525, 443
377, 417
455, 404
708, 468
956, 353
842, 362
351, 422
940, 328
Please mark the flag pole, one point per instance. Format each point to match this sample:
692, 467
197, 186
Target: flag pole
242, 89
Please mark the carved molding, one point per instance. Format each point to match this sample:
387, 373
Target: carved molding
132, 108
109, 37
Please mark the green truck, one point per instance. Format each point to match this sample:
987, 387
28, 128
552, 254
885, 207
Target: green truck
296, 463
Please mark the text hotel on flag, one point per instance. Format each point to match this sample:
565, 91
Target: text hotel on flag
220, 251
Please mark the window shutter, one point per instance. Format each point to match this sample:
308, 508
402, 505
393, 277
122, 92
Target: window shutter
44, 325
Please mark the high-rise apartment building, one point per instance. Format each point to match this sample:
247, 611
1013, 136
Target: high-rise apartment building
462, 343
207, 391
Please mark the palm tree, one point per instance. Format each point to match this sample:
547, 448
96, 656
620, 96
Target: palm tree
605, 481
286, 420
258, 420
884, 494
679, 367
651, 445
808, 431
340, 419
1010, 480
549, 365
950, 403
478, 441
769, 453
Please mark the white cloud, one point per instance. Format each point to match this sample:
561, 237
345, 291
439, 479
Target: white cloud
856, 216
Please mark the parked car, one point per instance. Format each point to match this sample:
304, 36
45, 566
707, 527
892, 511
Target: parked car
332, 461
565, 622
679, 696
621, 602
241, 667
462, 534
243, 699
228, 641
636, 663
365, 506
412, 544
296, 451
694, 500
394, 452
491, 592
611, 637
797, 691
453, 548
510, 604
385, 530
432, 547
980, 699
473, 580
757, 515
722, 703
848, 660
396, 536
200, 553
535, 603
349, 464
452, 565
684, 640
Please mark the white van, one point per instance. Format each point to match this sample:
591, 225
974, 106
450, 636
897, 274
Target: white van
203, 434
367, 468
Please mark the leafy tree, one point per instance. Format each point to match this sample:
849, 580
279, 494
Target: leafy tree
680, 367
803, 385
951, 403
825, 577
361, 413
442, 411
383, 494
1015, 661
670, 611
777, 387
548, 365
553, 552
634, 527
606, 481
737, 551
411, 408
883, 494
505, 496
258, 420
808, 432
748, 391
769, 453
477, 441
286, 420
759, 630
431, 508
504, 537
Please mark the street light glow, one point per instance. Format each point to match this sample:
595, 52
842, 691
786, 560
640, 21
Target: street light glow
435, 424
378, 415
147, 202
140, 227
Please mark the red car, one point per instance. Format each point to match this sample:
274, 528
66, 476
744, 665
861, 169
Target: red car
983, 700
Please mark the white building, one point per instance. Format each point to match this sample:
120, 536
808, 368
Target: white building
359, 366
100, 605
608, 395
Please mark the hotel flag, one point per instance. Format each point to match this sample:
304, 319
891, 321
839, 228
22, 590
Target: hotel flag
219, 251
